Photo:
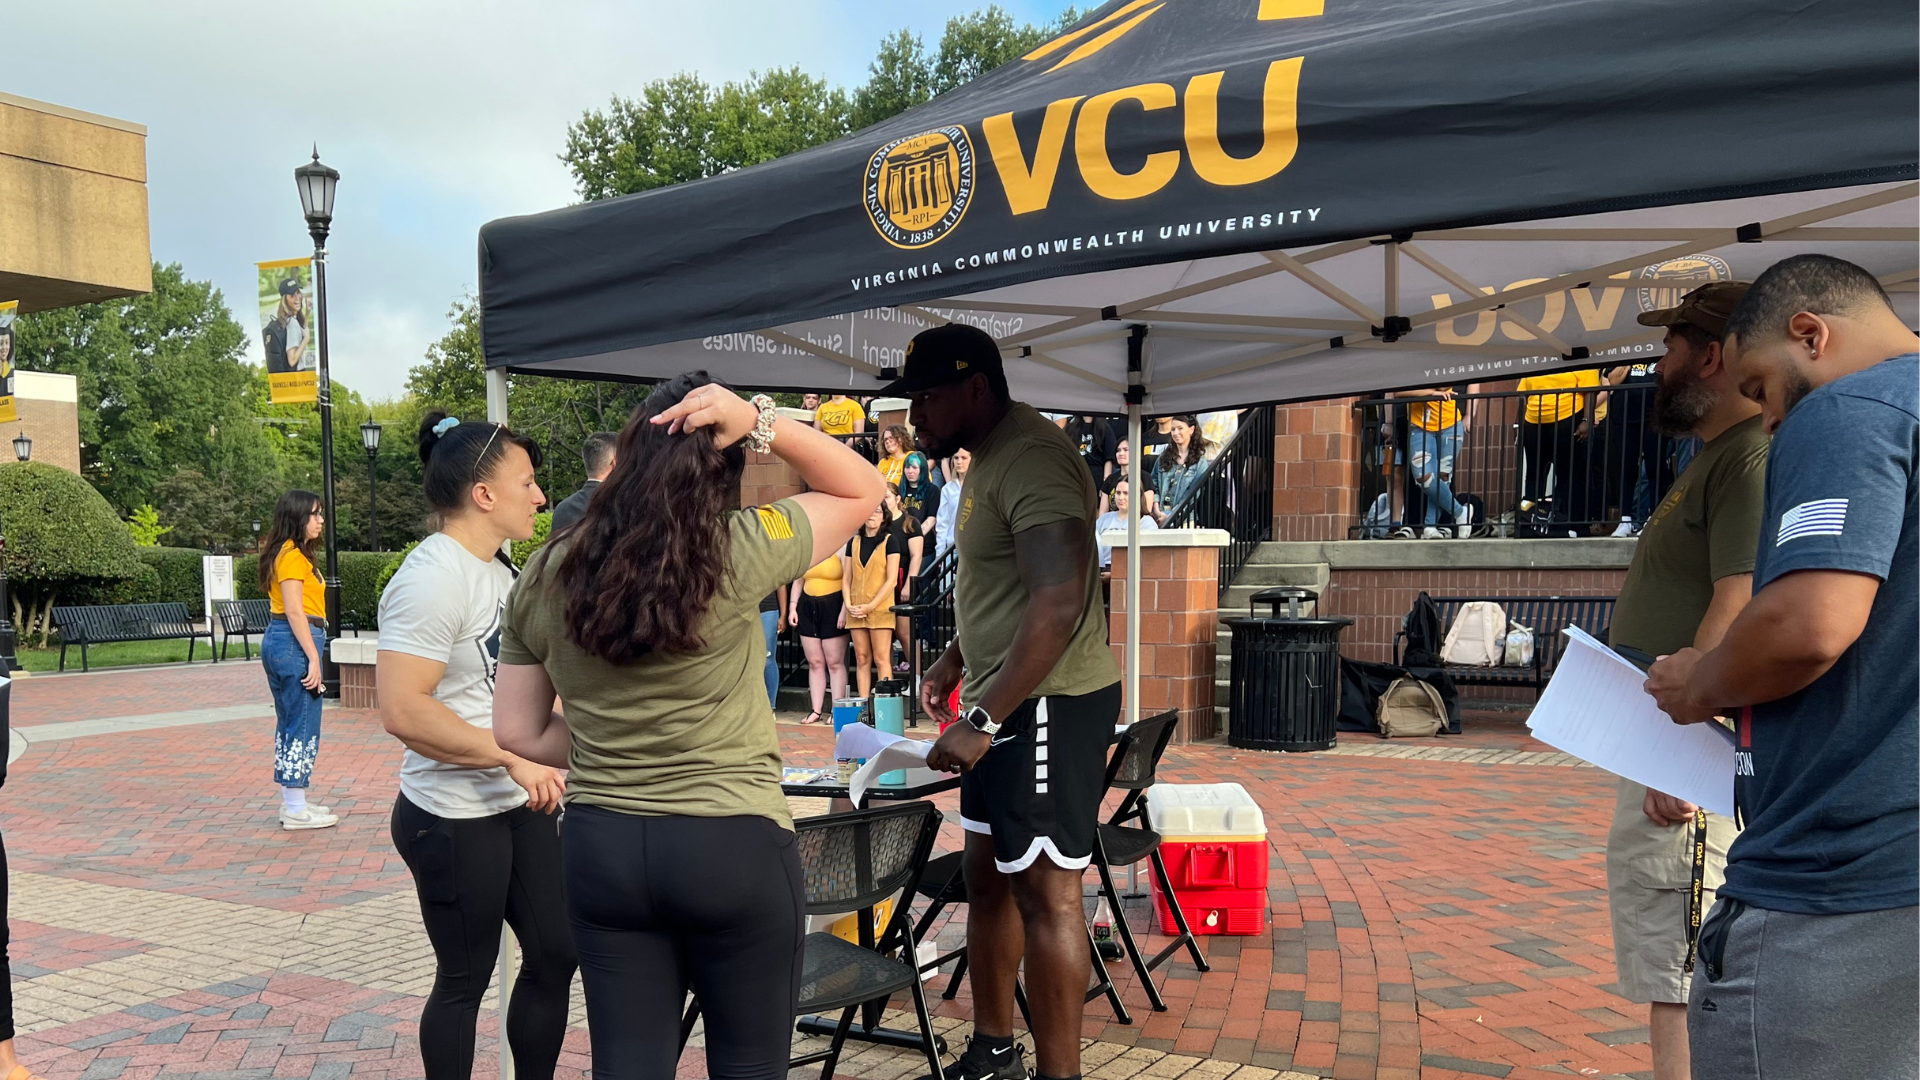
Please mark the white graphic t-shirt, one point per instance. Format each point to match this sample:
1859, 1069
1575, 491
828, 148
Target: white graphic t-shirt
444, 604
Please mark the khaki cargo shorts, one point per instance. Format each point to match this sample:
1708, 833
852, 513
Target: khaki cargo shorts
1649, 874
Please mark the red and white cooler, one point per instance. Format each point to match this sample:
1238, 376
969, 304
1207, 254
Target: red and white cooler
1214, 842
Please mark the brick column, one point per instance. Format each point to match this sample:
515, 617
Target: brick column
1179, 616
1316, 470
767, 479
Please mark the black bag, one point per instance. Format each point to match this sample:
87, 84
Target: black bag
1362, 682
1425, 633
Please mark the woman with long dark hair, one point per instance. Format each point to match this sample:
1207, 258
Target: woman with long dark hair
681, 866
473, 823
913, 543
290, 651
873, 559
1179, 465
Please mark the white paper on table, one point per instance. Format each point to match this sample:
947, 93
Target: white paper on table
1597, 708
900, 753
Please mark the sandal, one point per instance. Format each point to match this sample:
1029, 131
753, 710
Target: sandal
812, 718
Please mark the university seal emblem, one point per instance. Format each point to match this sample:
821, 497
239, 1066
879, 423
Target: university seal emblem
918, 188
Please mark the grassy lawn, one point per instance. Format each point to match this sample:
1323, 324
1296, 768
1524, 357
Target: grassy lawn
121, 654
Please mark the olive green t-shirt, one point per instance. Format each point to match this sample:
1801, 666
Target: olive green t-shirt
1707, 528
1026, 474
672, 733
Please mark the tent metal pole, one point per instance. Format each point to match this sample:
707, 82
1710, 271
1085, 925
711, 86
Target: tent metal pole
507, 966
1136, 391
496, 395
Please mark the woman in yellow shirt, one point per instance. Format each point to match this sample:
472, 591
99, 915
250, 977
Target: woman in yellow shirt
895, 441
290, 651
1547, 443
872, 574
819, 616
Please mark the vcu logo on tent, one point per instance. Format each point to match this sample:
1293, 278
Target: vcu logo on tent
918, 188
1692, 268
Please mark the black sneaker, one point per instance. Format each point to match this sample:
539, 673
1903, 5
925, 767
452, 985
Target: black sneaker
980, 1063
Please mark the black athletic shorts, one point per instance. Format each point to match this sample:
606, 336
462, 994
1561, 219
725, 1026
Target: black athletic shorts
1038, 788
820, 616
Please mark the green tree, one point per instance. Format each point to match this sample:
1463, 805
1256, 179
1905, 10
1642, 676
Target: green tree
162, 385
681, 128
144, 526
557, 413
60, 535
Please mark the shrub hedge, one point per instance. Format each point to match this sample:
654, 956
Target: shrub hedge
359, 604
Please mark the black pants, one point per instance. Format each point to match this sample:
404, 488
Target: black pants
663, 905
1544, 448
6, 975
472, 874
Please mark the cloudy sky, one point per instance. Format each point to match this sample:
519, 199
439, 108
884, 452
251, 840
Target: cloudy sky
440, 115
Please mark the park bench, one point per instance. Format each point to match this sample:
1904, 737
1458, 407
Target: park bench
1545, 615
242, 619
100, 624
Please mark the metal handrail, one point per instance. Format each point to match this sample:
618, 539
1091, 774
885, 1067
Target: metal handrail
1571, 477
1235, 493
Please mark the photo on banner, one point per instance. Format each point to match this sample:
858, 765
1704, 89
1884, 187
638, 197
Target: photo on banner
9, 310
286, 330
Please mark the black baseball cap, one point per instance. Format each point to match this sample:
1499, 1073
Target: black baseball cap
944, 355
289, 286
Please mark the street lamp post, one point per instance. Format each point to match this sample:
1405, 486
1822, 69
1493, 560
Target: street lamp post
370, 438
9, 636
316, 183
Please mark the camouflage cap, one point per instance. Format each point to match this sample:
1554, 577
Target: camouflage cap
1707, 307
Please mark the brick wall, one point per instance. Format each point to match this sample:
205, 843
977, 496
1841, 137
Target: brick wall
767, 479
1178, 619
1377, 600
1316, 470
54, 427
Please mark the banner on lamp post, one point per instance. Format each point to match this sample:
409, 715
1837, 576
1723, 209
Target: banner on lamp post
286, 330
9, 310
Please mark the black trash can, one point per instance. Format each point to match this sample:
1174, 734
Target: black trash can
1285, 689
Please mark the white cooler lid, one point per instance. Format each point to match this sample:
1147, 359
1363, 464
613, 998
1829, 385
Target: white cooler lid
1177, 810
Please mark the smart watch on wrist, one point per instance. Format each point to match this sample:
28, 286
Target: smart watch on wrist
981, 720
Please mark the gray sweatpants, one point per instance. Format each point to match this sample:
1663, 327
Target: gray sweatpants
1810, 997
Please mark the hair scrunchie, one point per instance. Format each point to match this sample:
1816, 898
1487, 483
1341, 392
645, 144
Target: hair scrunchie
445, 426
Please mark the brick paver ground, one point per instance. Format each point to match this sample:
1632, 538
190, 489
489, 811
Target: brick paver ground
1438, 910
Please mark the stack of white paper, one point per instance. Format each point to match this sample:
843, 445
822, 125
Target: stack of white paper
884, 753
1597, 709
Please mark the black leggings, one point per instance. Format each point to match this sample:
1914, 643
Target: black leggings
6, 977
472, 874
662, 905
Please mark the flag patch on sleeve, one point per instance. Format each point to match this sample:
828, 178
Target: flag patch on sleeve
1821, 517
776, 523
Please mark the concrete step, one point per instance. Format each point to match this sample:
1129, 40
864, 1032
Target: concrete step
1266, 575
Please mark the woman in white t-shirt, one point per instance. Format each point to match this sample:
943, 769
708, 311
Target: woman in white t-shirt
474, 823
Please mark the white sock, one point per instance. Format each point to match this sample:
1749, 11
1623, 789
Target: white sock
295, 799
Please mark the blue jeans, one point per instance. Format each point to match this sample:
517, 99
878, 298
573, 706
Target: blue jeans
770, 625
296, 709
1432, 463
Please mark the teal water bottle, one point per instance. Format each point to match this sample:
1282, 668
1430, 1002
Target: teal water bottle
890, 716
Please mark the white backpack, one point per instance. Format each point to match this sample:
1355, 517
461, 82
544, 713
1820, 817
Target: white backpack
1473, 639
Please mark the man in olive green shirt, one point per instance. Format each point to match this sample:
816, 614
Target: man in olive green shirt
1039, 697
1692, 572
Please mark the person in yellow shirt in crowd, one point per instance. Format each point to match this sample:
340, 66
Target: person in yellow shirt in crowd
1547, 443
1435, 429
290, 651
895, 441
840, 415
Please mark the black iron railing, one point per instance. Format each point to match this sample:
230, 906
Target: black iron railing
1530, 463
1235, 493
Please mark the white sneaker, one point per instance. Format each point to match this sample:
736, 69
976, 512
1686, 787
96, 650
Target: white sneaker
313, 817
1463, 522
1625, 528
1404, 532
1431, 533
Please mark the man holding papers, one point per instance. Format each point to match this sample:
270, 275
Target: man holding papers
1810, 960
1692, 572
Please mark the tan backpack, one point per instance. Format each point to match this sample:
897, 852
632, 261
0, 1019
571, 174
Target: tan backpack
1473, 639
1411, 709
